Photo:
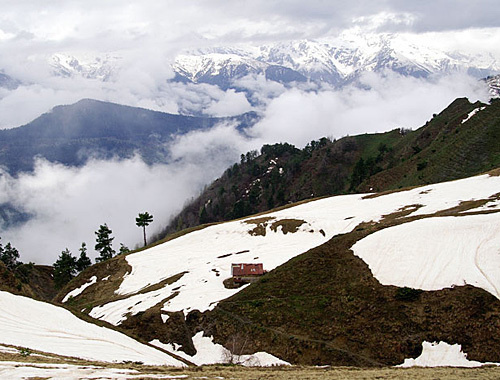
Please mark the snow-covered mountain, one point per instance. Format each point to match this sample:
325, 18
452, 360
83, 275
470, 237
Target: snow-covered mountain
222, 67
89, 66
336, 61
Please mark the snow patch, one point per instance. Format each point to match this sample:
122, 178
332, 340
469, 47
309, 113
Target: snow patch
436, 253
472, 113
209, 352
40, 326
23, 370
442, 354
76, 292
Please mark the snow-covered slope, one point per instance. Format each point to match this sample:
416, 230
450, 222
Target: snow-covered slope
435, 253
44, 327
457, 249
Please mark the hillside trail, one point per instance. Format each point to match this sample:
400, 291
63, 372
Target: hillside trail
360, 359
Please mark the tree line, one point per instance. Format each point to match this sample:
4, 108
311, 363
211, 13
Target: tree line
67, 266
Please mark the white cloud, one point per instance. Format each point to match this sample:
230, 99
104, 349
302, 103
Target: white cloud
69, 204
392, 101
231, 104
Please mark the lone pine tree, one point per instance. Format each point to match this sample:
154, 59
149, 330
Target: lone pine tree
143, 220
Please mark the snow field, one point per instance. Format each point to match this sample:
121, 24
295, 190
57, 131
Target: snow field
436, 253
22, 370
206, 255
40, 326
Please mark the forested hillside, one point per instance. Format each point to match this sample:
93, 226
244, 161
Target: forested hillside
462, 140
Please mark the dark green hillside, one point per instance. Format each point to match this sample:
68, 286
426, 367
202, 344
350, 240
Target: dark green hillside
443, 149
90, 128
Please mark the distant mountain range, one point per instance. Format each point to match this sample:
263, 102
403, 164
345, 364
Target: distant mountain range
336, 61
73, 134
493, 83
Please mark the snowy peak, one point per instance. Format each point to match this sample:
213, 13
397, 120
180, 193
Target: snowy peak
197, 67
335, 61
494, 85
84, 65
223, 68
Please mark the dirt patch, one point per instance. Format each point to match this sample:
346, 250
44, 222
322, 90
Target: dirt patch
260, 225
401, 213
287, 225
161, 284
494, 172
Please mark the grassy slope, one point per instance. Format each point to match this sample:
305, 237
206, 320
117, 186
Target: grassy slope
447, 148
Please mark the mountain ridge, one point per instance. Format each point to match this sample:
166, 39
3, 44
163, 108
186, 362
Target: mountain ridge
458, 142
70, 134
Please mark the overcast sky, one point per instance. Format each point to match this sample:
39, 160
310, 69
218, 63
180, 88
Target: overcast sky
115, 24
69, 204
150, 27
144, 37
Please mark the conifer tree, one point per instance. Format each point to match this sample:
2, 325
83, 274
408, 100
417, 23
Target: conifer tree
143, 220
123, 249
9, 256
64, 268
103, 243
83, 261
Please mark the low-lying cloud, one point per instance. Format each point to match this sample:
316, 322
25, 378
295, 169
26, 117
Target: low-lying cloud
382, 103
69, 204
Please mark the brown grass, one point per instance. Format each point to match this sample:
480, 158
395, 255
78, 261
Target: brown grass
277, 373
